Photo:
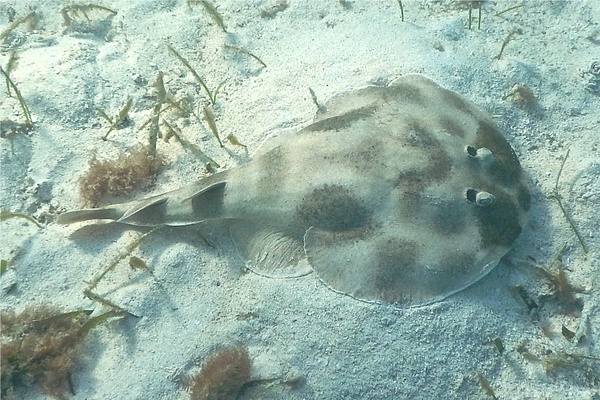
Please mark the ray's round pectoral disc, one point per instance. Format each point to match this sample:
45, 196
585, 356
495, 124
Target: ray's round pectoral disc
405, 194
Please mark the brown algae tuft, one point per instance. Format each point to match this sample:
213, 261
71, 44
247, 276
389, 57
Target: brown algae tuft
41, 346
222, 375
119, 176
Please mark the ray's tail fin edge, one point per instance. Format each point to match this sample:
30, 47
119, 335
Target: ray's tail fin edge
71, 217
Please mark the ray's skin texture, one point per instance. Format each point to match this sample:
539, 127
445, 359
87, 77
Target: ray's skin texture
403, 193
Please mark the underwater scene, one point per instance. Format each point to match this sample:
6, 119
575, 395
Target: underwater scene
299, 199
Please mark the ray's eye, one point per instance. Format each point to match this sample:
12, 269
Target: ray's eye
482, 154
480, 198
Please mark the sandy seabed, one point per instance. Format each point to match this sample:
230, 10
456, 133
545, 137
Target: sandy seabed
198, 296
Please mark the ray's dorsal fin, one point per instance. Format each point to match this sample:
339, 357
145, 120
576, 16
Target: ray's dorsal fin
202, 190
153, 204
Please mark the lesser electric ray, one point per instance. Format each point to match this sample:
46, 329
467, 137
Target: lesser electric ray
404, 193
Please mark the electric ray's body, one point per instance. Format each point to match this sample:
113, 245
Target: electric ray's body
403, 193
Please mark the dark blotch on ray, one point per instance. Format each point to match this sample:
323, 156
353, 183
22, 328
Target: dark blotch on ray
367, 157
456, 102
524, 197
419, 135
438, 168
461, 263
448, 218
342, 121
506, 169
499, 222
394, 260
332, 207
439, 163
273, 168
441, 166
413, 182
464, 265
405, 91
451, 126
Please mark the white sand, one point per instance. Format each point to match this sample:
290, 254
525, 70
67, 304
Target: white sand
344, 348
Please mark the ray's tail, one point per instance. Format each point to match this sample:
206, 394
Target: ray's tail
192, 204
70, 217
